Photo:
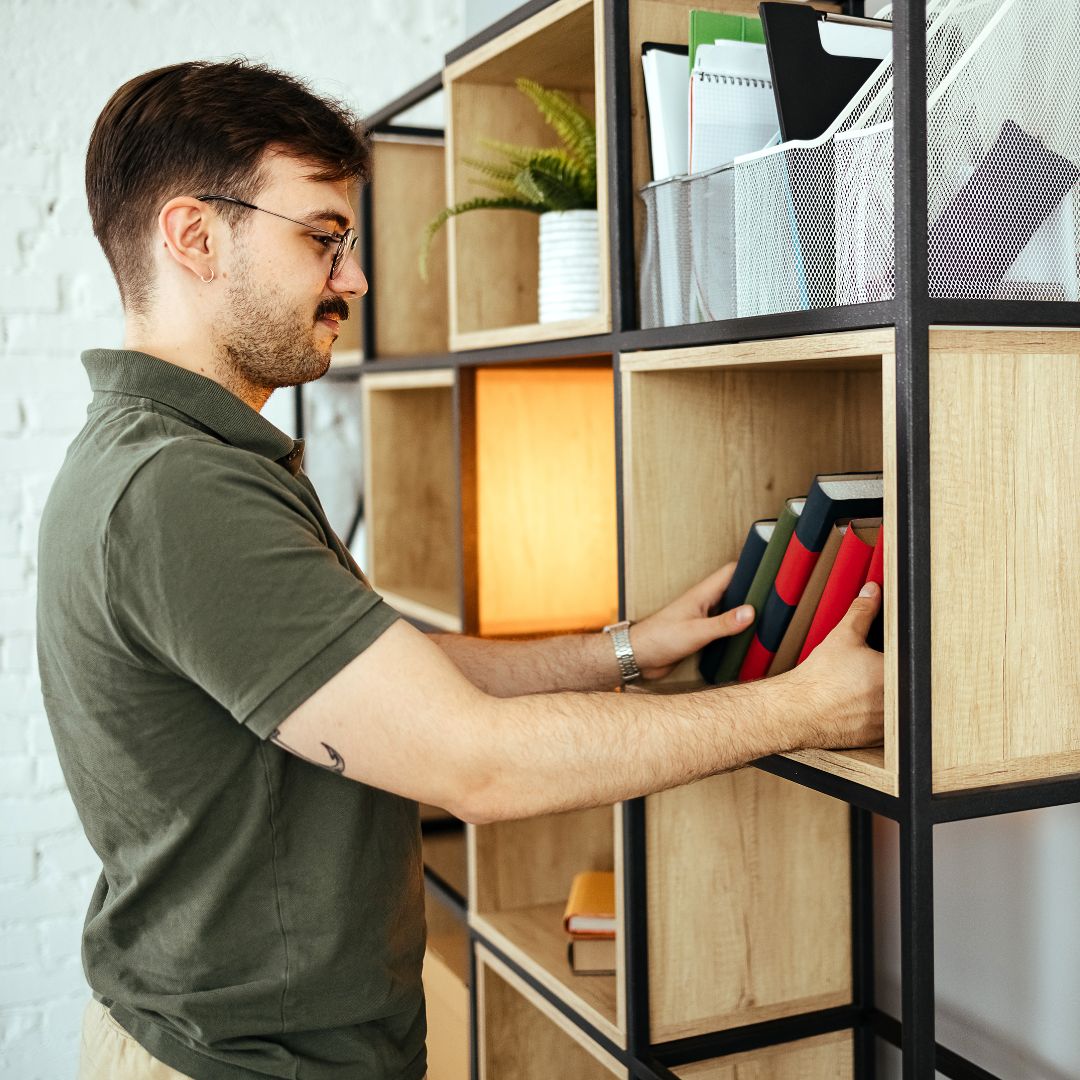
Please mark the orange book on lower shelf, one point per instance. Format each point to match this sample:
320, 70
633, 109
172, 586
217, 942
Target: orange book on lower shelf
590, 910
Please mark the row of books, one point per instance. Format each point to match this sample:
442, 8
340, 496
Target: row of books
589, 921
800, 572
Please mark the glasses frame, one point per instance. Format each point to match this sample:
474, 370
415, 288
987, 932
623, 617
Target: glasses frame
346, 241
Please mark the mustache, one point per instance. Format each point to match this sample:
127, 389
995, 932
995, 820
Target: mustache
335, 307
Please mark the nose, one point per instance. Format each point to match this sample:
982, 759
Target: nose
350, 279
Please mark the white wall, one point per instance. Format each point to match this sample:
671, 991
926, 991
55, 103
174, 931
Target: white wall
62, 60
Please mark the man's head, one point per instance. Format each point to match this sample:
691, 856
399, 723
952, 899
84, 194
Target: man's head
253, 282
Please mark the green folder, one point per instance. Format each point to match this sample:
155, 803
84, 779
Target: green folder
707, 27
735, 653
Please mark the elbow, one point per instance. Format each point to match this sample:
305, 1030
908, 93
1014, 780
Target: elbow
476, 803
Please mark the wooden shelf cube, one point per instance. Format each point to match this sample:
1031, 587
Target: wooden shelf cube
540, 523
493, 254
741, 427
823, 1057
520, 877
407, 190
523, 1037
410, 492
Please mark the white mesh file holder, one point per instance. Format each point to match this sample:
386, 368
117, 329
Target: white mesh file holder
712, 243
814, 221
665, 283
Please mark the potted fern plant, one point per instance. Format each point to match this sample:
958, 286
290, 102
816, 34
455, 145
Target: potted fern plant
559, 184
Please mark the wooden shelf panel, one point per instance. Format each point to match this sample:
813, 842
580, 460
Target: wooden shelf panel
447, 1000
493, 254
823, 1057
1004, 472
408, 190
411, 506
534, 938
749, 903
520, 877
523, 1037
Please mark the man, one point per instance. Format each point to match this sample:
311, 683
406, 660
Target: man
245, 727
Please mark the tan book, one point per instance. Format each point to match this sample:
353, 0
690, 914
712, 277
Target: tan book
592, 956
788, 653
591, 906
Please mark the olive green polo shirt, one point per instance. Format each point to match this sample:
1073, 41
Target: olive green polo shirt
256, 915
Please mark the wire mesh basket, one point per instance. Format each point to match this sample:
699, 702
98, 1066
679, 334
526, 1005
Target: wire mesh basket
664, 291
814, 220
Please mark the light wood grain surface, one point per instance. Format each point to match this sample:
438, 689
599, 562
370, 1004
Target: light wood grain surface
749, 903
410, 503
1004, 563
824, 1057
523, 1037
447, 999
408, 188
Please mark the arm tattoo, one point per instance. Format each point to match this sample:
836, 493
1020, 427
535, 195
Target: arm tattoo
336, 764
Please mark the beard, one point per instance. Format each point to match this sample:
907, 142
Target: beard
267, 341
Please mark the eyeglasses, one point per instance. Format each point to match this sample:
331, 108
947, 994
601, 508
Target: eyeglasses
345, 241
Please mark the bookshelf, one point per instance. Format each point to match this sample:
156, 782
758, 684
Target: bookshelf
493, 257
745, 911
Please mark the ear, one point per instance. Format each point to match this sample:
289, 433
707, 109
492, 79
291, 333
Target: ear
187, 229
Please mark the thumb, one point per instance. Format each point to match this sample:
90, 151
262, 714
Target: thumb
864, 608
731, 622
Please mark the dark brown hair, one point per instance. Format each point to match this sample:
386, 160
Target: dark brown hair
197, 128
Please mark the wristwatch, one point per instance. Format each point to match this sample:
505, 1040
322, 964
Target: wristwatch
624, 654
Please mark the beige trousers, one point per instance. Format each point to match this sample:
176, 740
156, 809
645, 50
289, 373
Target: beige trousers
108, 1052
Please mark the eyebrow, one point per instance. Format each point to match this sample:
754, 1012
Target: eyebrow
317, 216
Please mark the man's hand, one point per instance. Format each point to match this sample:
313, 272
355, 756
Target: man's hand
685, 626
843, 680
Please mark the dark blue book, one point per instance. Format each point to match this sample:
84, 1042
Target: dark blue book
757, 541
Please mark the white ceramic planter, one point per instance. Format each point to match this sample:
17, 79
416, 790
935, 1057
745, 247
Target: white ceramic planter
569, 265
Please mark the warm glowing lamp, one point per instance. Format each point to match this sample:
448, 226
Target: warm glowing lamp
547, 544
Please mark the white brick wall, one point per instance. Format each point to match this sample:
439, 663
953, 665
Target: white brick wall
63, 59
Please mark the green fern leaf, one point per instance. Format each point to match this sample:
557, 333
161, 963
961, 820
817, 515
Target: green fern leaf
462, 208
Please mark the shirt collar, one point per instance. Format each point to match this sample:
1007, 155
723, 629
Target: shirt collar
124, 371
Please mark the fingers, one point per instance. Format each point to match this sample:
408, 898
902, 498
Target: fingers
709, 592
864, 608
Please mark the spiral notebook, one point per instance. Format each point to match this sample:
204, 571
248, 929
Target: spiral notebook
732, 106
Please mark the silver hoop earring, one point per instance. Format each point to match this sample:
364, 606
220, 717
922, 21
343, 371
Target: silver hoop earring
207, 280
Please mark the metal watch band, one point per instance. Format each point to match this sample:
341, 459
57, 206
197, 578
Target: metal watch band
624, 653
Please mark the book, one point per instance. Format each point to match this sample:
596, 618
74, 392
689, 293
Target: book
787, 655
732, 109
591, 956
709, 27
728, 669
832, 496
1017, 186
666, 107
819, 63
847, 578
875, 638
590, 908
735, 594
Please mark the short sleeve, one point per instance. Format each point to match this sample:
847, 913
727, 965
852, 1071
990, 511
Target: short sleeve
220, 571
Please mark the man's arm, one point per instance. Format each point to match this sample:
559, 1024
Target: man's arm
587, 661
402, 717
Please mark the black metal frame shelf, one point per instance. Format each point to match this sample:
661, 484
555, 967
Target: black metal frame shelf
917, 809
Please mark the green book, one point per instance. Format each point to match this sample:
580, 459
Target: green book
728, 671
707, 27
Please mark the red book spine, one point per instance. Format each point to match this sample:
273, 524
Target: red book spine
876, 573
847, 578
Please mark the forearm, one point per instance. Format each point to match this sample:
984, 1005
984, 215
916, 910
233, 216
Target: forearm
511, 668
555, 752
